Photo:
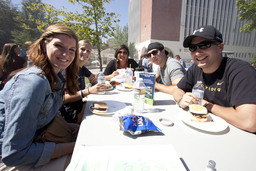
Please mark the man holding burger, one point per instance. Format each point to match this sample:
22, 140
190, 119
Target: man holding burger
170, 70
230, 84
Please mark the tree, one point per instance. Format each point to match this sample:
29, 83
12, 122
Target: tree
133, 51
27, 30
8, 23
93, 24
120, 36
253, 60
247, 12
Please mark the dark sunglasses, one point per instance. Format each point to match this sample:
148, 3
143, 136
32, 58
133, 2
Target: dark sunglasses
123, 52
153, 53
202, 45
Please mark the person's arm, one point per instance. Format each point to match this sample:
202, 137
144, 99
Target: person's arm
242, 116
93, 79
72, 98
18, 147
62, 149
109, 77
90, 90
167, 88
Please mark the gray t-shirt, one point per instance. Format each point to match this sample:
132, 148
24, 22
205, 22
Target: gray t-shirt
171, 71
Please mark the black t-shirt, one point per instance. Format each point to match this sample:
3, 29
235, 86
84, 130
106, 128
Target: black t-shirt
83, 72
70, 111
111, 67
233, 83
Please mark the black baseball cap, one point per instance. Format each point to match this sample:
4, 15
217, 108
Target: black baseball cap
207, 32
155, 45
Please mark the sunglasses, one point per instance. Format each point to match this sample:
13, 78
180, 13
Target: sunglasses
123, 52
202, 45
154, 52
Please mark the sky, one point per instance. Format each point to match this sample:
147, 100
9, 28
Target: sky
116, 6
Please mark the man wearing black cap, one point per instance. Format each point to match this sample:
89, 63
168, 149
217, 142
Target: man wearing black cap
170, 70
230, 84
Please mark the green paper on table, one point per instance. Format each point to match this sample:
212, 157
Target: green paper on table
126, 157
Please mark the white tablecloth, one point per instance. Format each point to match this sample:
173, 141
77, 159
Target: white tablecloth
231, 149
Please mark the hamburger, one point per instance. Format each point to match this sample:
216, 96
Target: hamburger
99, 107
128, 85
108, 86
198, 113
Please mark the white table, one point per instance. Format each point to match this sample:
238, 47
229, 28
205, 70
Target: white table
232, 149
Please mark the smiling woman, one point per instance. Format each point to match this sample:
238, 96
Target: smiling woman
60, 51
32, 98
121, 60
72, 109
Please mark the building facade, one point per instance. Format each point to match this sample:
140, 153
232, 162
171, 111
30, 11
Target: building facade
170, 21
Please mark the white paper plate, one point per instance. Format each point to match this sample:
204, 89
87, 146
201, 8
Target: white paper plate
122, 88
113, 106
214, 123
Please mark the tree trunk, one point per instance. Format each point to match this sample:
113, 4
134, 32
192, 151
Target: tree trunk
97, 37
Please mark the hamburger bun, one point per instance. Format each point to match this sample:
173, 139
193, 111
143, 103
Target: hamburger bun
198, 113
99, 107
108, 86
198, 109
128, 85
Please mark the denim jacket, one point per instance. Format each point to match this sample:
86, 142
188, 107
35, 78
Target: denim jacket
27, 104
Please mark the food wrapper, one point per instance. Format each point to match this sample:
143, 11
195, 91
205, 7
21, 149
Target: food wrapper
137, 125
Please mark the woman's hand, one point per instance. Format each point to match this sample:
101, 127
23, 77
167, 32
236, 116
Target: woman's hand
115, 73
110, 76
97, 88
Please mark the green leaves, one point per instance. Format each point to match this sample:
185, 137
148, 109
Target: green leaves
120, 36
247, 12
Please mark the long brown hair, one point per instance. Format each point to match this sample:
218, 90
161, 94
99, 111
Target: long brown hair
7, 57
117, 51
39, 58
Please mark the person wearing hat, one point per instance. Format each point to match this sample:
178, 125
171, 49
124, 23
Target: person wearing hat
230, 84
170, 71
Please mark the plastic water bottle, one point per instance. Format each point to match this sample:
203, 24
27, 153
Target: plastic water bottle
139, 90
101, 79
210, 166
129, 75
137, 73
198, 90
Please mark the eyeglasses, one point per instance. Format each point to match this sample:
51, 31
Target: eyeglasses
154, 52
202, 45
123, 52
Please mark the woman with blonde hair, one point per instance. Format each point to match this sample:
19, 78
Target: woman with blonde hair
31, 99
73, 108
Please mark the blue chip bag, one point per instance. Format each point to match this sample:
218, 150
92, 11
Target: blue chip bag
137, 125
